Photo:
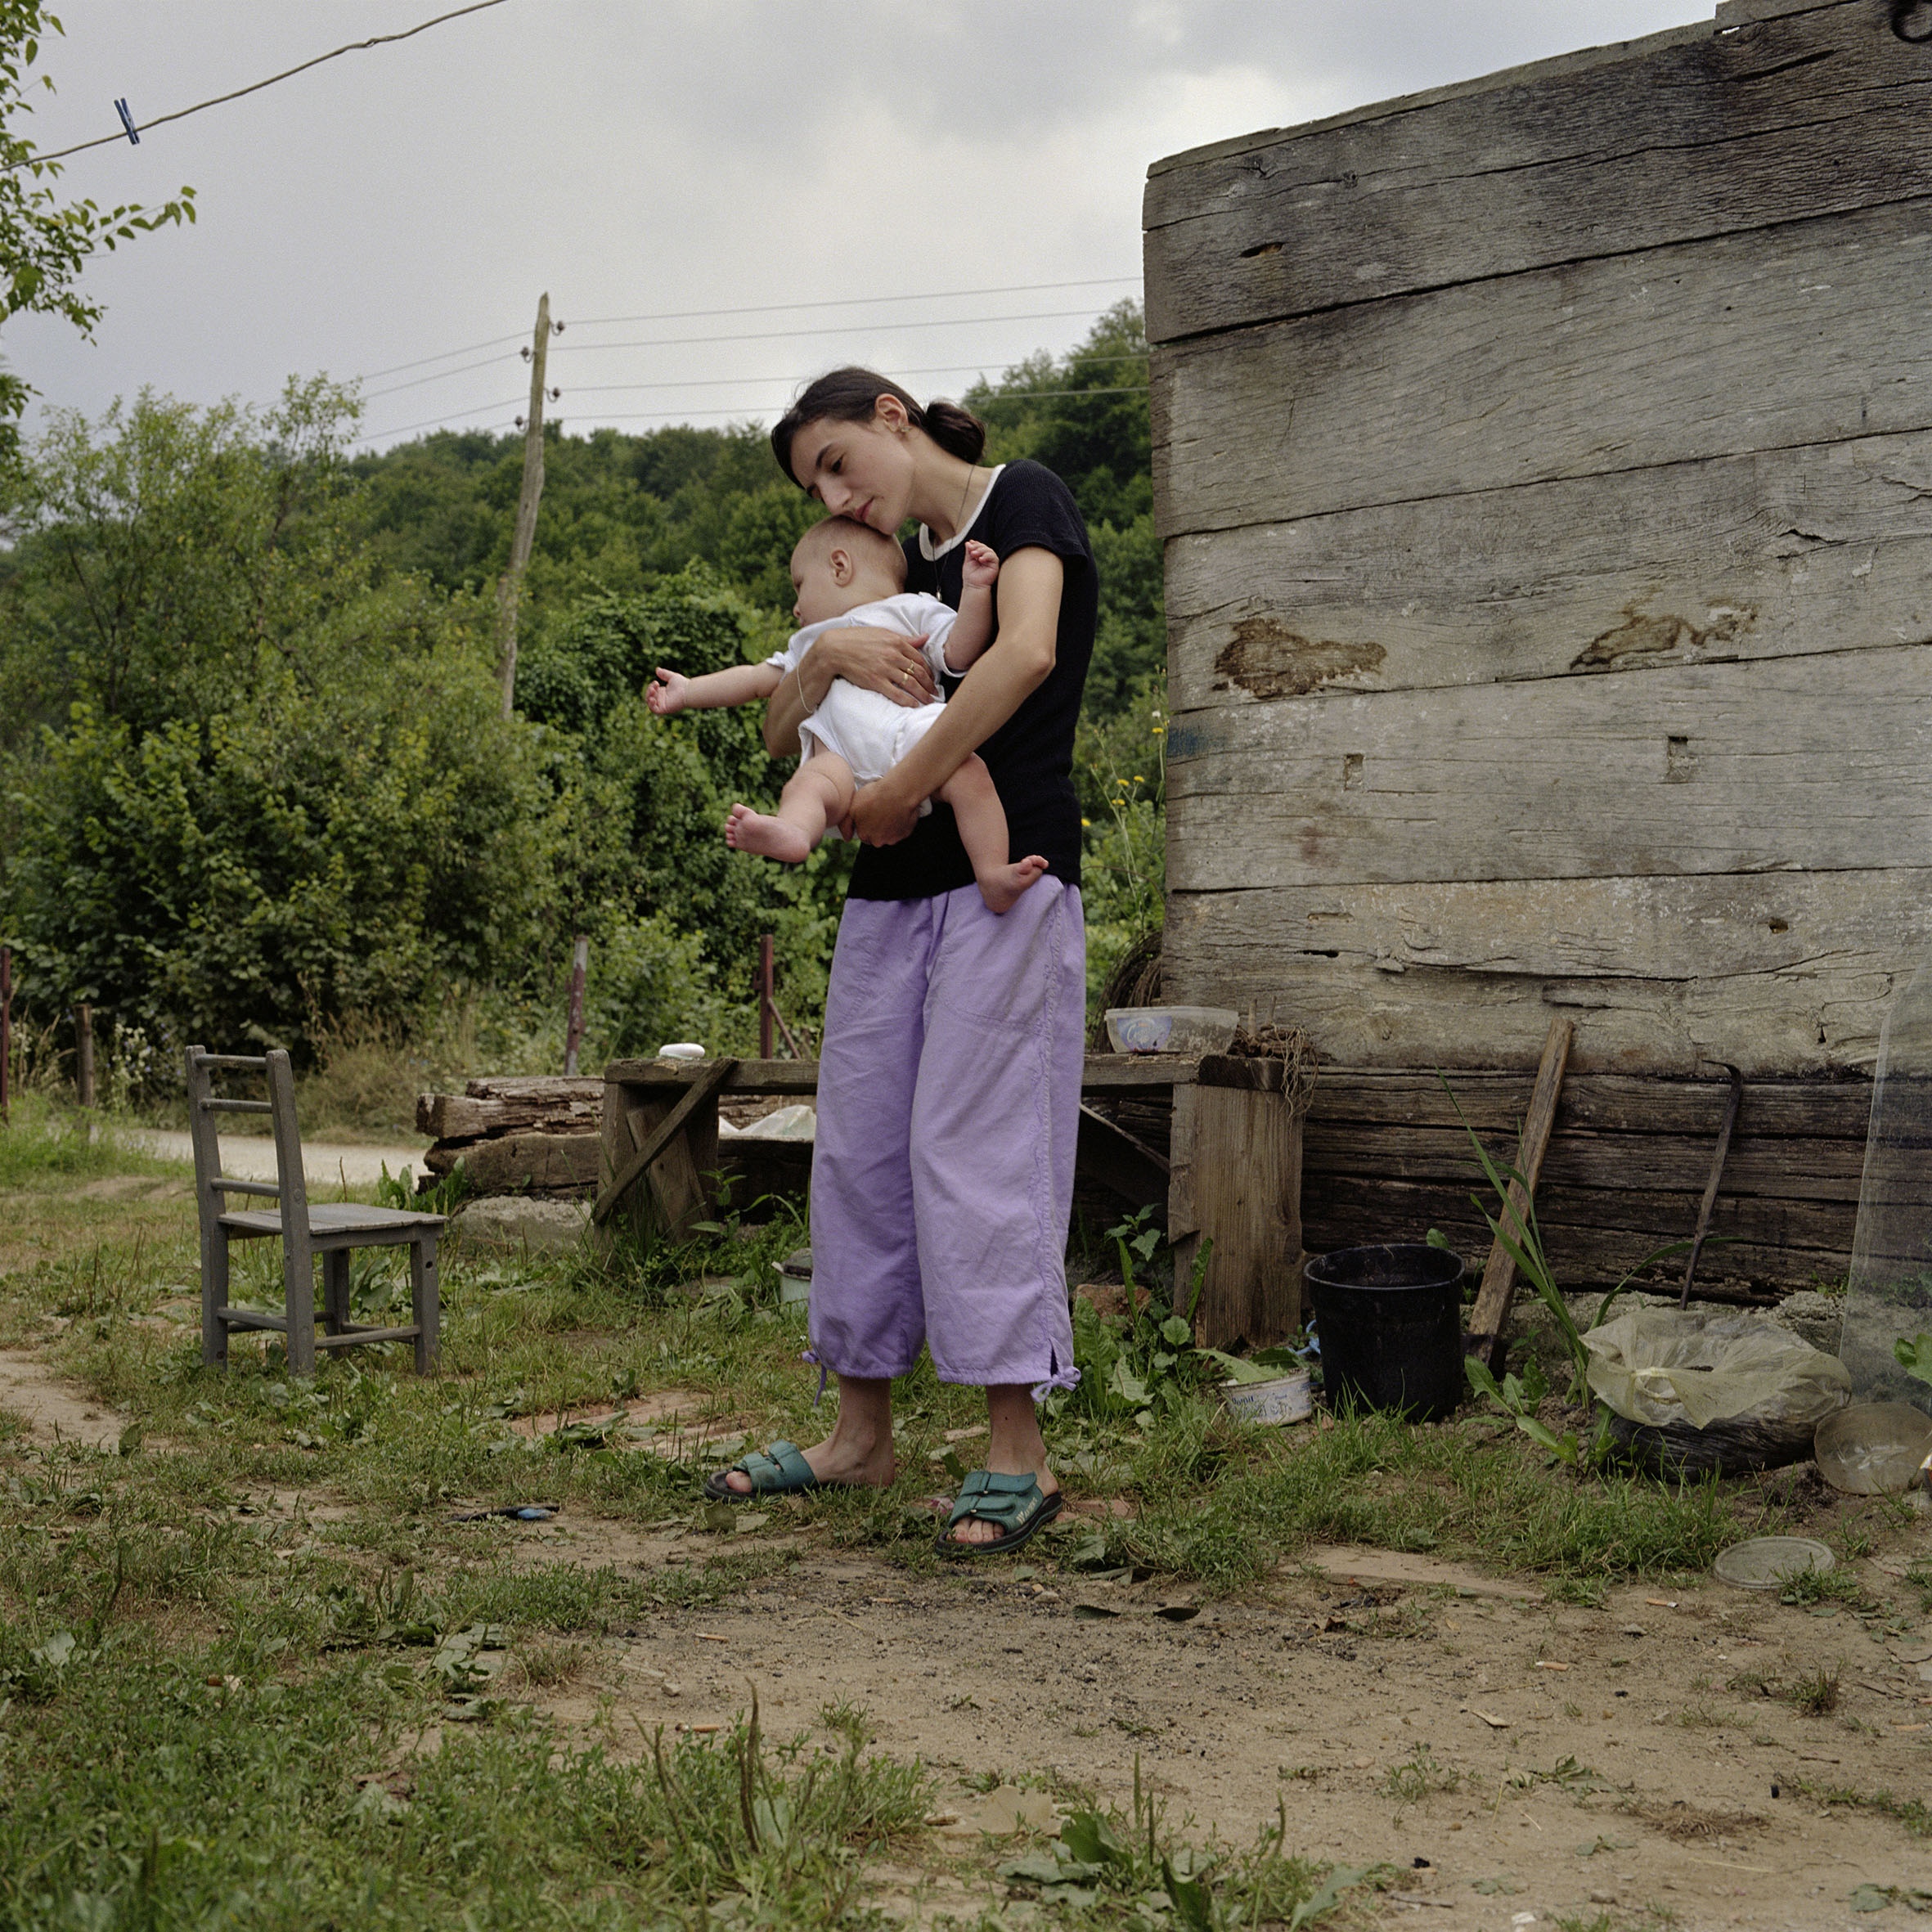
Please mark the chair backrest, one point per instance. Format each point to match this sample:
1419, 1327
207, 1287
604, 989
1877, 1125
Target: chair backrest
211, 1187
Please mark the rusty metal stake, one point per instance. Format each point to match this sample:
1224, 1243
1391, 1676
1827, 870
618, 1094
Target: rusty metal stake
1717, 1174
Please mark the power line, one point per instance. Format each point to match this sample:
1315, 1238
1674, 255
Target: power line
683, 315
1023, 287
716, 382
256, 86
424, 361
724, 382
681, 415
1038, 315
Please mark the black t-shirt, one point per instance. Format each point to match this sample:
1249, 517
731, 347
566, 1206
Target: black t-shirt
1031, 756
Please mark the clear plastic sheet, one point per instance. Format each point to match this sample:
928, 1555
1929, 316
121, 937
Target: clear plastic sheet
1890, 1295
1661, 1365
1692, 1392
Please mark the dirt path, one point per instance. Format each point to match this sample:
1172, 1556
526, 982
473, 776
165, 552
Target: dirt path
251, 1156
53, 1410
1595, 1759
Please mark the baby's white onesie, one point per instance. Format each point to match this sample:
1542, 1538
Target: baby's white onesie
867, 729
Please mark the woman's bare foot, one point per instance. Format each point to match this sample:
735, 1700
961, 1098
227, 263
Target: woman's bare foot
859, 1450
1016, 1448
748, 831
1000, 886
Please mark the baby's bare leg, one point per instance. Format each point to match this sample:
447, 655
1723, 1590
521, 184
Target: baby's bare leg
818, 794
981, 819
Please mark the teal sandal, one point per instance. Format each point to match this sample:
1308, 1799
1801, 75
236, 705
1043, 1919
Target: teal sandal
1015, 1505
780, 1471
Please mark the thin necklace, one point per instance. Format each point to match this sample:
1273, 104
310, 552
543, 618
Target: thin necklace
959, 515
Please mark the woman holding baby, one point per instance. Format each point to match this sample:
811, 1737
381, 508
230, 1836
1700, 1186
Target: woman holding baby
950, 1078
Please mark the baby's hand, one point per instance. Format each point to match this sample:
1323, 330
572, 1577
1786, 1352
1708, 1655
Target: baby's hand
981, 569
666, 695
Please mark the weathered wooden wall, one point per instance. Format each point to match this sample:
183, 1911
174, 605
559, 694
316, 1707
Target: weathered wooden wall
1545, 470
1545, 466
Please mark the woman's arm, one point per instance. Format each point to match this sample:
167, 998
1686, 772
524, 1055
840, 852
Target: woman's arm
876, 659
1015, 665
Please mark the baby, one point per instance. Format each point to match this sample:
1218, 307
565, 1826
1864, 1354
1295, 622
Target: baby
848, 574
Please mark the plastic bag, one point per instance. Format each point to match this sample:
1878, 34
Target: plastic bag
1691, 1392
1889, 1298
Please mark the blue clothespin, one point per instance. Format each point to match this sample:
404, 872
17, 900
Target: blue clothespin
127, 122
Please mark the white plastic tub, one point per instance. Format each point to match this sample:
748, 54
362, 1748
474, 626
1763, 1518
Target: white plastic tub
1191, 1030
1287, 1398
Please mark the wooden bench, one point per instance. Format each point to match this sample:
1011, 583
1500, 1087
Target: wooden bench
1233, 1175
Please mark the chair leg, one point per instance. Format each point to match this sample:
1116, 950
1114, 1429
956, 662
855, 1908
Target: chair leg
214, 1296
297, 1273
335, 1289
425, 1311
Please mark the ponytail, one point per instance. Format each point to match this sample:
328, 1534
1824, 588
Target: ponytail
852, 395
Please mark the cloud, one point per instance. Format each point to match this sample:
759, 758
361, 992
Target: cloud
692, 154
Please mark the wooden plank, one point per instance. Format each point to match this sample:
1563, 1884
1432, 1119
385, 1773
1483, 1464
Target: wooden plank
1594, 1237
674, 1195
1183, 1217
1253, 1074
1809, 334
1803, 1168
748, 1076
512, 1162
659, 1137
1104, 1073
1697, 138
459, 1116
1493, 1101
1136, 1073
1772, 554
1821, 1022
1782, 972
1489, 1321
1247, 1198
552, 1089
1700, 768
1702, 927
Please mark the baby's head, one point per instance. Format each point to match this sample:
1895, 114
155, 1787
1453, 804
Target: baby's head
839, 565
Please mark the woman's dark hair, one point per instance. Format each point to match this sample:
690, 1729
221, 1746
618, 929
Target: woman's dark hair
852, 396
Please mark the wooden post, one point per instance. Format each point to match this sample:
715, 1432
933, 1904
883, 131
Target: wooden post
574, 1030
1488, 1320
83, 1054
508, 589
764, 1005
5, 1030
1246, 1198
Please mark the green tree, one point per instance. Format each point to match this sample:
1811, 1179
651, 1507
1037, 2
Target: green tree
1084, 415
45, 242
645, 798
279, 789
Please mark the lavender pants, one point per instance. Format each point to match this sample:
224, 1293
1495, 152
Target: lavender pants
942, 1173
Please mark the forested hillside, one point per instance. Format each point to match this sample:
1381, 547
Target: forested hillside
257, 787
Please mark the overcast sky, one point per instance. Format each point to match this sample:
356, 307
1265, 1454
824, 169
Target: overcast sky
639, 158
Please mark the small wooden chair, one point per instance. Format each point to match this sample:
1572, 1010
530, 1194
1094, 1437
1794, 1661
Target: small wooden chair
330, 1229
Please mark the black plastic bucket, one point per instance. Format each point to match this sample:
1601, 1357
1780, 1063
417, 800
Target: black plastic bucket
1391, 1323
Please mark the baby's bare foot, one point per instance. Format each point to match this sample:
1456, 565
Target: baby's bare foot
748, 831
1002, 885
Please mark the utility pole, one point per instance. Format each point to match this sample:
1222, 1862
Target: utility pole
512, 582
